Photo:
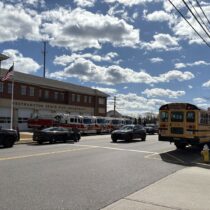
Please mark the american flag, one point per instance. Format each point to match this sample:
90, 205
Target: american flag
8, 74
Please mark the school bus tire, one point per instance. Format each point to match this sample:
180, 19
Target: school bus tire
180, 145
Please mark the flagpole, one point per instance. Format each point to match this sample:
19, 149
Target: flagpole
12, 99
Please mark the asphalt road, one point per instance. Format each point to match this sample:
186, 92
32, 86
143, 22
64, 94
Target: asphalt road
90, 174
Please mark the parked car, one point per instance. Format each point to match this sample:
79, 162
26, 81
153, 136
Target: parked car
8, 137
129, 132
151, 128
55, 134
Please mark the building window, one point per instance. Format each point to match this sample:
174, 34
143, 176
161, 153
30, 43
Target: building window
1, 87
85, 99
78, 98
62, 96
23, 90
40, 93
73, 97
31, 89
56, 96
90, 99
46, 94
101, 101
9, 88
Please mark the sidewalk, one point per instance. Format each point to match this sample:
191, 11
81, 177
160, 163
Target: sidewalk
25, 137
188, 189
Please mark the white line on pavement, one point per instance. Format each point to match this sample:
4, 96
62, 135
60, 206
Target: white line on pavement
118, 149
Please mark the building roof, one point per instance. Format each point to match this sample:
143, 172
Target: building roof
51, 83
3, 57
113, 113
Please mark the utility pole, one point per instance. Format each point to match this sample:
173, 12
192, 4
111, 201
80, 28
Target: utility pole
44, 57
114, 106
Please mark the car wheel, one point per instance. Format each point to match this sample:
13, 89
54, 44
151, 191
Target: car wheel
76, 137
114, 139
143, 138
8, 142
40, 141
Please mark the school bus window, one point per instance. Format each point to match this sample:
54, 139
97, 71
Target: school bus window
204, 118
190, 116
177, 116
164, 116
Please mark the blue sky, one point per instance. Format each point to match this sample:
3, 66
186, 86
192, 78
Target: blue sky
140, 51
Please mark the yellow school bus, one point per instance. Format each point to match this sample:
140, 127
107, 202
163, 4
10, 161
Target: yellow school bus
184, 124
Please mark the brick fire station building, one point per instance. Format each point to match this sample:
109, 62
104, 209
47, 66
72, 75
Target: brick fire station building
35, 95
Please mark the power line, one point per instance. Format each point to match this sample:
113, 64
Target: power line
195, 18
202, 11
189, 23
199, 15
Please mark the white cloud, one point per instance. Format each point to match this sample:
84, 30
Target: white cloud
206, 84
159, 92
120, 13
85, 3
196, 63
169, 7
17, 23
163, 42
199, 100
177, 24
79, 29
190, 86
66, 59
175, 75
86, 70
156, 60
34, 3
21, 63
133, 104
159, 16
135, 15
131, 2
184, 31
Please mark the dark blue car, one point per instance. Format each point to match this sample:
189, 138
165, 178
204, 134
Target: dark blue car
129, 132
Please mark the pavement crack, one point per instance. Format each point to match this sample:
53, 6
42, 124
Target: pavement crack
154, 204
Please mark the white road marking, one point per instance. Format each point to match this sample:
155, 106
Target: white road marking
41, 154
118, 149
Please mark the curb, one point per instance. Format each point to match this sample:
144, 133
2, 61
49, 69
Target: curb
24, 141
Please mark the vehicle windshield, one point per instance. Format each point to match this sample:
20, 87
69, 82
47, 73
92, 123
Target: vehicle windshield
128, 122
177, 116
115, 122
101, 121
127, 127
164, 116
87, 121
